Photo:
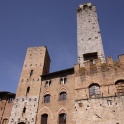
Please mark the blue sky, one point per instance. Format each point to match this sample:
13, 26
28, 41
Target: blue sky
27, 23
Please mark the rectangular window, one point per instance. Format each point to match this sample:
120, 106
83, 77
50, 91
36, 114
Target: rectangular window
109, 102
90, 57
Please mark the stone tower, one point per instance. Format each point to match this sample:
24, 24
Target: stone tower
88, 35
25, 107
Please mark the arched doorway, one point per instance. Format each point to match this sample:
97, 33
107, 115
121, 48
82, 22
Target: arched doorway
62, 118
44, 118
21, 123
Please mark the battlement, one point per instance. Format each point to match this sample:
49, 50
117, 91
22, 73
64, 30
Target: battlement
98, 65
84, 5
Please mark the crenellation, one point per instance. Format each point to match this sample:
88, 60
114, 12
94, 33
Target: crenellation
109, 61
121, 58
87, 64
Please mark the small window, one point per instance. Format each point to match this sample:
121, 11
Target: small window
120, 87
24, 109
90, 57
48, 83
62, 118
44, 118
109, 102
31, 73
47, 98
10, 100
63, 80
62, 96
28, 90
94, 91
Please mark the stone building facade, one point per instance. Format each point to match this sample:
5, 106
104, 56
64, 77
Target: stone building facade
92, 92
6, 103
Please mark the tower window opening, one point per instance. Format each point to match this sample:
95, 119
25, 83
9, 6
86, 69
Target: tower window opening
24, 109
28, 90
31, 73
90, 57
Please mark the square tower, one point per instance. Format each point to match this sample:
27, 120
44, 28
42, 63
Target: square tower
89, 40
37, 62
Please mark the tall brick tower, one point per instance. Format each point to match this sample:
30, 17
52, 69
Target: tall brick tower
88, 35
36, 63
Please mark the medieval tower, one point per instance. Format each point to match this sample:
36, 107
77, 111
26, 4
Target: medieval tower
92, 92
88, 34
25, 107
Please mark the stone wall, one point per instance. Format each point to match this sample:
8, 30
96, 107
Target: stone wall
108, 106
100, 111
6, 103
37, 62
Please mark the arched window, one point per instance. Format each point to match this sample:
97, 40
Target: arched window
120, 87
63, 80
47, 98
94, 90
48, 83
5, 121
62, 96
44, 118
62, 118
